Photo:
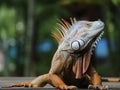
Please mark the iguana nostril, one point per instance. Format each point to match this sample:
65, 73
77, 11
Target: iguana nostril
98, 23
77, 44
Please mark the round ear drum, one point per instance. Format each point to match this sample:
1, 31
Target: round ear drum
77, 44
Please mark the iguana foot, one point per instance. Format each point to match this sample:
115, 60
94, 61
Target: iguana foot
65, 87
23, 84
98, 87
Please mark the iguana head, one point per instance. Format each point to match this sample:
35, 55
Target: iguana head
78, 40
85, 34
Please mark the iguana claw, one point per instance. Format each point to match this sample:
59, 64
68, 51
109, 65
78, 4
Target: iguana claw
98, 87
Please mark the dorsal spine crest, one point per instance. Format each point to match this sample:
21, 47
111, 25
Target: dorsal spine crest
63, 28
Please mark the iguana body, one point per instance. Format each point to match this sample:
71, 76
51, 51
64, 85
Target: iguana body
71, 64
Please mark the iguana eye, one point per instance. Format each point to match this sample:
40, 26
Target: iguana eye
88, 25
77, 44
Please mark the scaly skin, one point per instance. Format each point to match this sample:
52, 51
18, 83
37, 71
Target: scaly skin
71, 67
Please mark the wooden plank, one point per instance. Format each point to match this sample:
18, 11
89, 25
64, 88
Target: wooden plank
11, 80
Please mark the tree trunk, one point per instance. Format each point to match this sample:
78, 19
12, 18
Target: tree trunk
29, 65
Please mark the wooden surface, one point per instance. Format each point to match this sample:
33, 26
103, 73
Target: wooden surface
11, 80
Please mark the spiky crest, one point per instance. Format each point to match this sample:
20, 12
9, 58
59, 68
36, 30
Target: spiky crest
63, 27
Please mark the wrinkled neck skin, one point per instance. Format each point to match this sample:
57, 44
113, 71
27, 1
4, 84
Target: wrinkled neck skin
81, 60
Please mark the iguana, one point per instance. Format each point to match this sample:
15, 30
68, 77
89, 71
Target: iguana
71, 66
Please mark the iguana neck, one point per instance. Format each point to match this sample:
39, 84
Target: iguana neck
81, 64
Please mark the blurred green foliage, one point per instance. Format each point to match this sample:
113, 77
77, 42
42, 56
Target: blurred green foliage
7, 22
13, 27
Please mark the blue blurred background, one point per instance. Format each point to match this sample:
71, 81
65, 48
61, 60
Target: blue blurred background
26, 44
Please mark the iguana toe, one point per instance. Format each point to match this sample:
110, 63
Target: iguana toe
65, 87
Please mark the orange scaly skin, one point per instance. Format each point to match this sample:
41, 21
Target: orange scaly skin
71, 67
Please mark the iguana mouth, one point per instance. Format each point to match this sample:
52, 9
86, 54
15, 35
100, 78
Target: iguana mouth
83, 57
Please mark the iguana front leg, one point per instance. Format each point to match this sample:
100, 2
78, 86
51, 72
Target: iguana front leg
53, 77
42, 80
95, 80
